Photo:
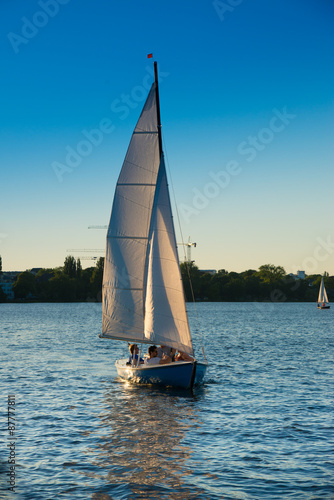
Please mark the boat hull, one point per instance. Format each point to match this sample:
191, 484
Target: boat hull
177, 374
324, 307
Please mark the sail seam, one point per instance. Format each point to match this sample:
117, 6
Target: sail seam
139, 166
140, 289
126, 339
144, 132
177, 320
132, 201
168, 287
138, 128
166, 259
128, 237
121, 288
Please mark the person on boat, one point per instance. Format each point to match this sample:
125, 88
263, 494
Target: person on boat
183, 356
154, 359
168, 351
134, 351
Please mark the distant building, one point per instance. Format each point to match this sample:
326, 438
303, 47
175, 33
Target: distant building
8, 289
209, 271
9, 276
7, 280
299, 276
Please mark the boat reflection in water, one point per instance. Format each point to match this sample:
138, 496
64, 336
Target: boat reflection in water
143, 449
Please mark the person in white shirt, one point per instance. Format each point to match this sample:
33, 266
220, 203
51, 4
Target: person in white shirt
154, 359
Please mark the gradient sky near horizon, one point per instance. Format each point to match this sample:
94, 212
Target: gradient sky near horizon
246, 89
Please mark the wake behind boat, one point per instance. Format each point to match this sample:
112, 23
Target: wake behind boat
143, 299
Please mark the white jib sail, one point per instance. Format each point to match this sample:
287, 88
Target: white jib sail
166, 320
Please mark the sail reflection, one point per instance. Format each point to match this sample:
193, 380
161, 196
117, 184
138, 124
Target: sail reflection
142, 443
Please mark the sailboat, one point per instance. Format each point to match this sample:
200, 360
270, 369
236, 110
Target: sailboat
322, 297
142, 296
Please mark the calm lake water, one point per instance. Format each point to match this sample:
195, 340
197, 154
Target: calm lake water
261, 427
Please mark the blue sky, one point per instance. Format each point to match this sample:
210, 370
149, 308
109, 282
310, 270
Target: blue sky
247, 110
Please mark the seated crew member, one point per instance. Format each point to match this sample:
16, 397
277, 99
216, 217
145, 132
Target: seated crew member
168, 351
134, 351
182, 356
154, 358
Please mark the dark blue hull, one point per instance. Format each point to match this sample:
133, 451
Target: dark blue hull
178, 374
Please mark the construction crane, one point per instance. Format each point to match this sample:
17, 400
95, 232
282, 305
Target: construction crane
189, 244
88, 258
97, 250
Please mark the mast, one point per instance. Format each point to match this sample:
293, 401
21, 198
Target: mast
158, 106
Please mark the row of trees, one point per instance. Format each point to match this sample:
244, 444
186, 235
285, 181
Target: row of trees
71, 283
269, 283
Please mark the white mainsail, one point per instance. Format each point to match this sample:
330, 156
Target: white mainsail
322, 292
143, 297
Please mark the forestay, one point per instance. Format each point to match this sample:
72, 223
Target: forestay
143, 298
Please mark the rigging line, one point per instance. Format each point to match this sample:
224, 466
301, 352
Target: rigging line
185, 259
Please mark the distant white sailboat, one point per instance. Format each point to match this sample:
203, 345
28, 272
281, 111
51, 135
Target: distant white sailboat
322, 297
143, 298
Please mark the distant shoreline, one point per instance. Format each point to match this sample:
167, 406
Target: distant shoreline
72, 284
